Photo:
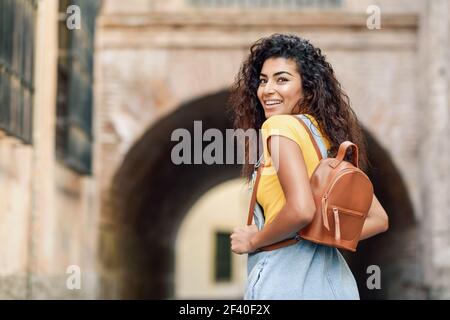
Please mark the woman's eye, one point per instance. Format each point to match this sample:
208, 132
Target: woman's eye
281, 79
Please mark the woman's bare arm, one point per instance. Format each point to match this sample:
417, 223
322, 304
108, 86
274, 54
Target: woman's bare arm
376, 222
299, 208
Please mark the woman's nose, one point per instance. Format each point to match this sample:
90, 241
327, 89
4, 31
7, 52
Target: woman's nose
269, 87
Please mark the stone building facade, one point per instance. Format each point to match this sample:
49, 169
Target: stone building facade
48, 211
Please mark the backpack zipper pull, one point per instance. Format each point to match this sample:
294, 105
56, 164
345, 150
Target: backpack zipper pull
324, 211
337, 229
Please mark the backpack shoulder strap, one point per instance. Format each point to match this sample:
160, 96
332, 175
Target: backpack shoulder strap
320, 153
253, 198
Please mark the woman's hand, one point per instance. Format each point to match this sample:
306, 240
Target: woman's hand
241, 239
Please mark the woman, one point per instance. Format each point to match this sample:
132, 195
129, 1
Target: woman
286, 75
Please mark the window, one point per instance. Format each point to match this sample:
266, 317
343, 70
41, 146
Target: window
17, 26
223, 264
75, 80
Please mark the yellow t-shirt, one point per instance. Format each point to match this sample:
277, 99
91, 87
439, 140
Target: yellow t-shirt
270, 194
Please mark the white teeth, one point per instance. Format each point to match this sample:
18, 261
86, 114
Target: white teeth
272, 102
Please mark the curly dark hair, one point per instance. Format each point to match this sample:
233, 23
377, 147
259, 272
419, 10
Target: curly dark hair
323, 97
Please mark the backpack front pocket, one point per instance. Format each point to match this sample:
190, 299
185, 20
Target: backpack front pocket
347, 223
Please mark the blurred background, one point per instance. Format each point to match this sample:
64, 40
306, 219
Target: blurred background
86, 116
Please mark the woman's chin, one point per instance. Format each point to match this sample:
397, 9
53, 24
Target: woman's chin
272, 112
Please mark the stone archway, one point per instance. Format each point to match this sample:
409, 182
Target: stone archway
152, 196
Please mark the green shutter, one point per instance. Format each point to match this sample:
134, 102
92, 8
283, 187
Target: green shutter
74, 133
223, 262
17, 31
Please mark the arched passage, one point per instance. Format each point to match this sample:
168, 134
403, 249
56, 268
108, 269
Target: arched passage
152, 195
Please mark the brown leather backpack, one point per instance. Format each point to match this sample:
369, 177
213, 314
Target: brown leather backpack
342, 194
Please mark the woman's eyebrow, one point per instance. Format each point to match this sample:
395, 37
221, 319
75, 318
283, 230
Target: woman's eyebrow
276, 74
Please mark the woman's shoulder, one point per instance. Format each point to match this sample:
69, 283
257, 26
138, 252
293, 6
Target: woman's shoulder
287, 122
285, 125
280, 121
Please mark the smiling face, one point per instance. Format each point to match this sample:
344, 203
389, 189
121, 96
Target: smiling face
280, 86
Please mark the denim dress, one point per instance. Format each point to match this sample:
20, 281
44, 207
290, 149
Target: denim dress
304, 270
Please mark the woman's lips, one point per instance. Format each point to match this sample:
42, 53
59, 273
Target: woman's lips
272, 106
